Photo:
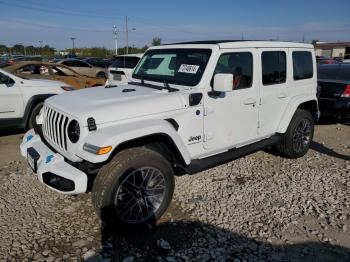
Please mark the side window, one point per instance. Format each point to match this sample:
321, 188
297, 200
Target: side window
5, 80
302, 65
67, 63
238, 64
81, 64
274, 67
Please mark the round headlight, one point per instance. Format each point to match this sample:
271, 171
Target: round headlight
73, 131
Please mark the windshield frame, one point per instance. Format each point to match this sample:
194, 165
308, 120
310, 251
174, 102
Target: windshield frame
163, 78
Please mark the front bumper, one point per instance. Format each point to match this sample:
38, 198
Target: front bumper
51, 168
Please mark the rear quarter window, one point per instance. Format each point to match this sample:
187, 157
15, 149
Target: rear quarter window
302, 65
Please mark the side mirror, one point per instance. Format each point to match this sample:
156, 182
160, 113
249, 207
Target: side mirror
223, 82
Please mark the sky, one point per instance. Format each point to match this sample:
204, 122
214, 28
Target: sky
91, 22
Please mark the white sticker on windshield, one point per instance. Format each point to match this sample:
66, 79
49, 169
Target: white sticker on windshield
189, 69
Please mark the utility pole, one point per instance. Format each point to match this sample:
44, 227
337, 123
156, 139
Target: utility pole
73, 38
116, 39
127, 34
25, 50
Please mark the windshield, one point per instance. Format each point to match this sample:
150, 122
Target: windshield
174, 66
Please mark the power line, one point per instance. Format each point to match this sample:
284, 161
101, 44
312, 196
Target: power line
57, 12
57, 27
35, 4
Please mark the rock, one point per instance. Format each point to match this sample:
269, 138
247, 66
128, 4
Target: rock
170, 259
128, 259
80, 243
50, 259
163, 244
88, 254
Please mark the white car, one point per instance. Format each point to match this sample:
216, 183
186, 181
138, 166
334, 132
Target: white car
84, 68
21, 99
120, 71
188, 107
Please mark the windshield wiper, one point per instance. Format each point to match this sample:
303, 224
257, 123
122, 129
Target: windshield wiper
167, 87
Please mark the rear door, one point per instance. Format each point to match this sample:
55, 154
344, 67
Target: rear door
11, 102
274, 94
231, 119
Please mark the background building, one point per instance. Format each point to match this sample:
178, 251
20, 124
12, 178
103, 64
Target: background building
338, 49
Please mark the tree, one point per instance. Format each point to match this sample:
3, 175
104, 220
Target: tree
156, 41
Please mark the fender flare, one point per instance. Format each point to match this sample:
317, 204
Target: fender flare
291, 108
122, 133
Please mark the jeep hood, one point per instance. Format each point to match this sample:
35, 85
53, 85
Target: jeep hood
116, 103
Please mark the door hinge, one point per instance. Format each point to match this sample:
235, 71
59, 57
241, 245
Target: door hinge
258, 124
260, 103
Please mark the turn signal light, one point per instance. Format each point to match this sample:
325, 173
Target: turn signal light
104, 150
96, 149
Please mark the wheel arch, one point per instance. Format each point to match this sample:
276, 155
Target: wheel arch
305, 103
162, 143
32, 102
157, 134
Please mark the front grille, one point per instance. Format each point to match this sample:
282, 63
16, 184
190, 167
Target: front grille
55, 127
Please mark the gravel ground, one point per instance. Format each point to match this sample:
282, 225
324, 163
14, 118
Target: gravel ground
259, 208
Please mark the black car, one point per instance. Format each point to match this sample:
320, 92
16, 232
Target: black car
334, 90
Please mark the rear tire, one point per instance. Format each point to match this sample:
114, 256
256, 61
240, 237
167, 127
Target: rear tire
33, 114
297, 139
134, 189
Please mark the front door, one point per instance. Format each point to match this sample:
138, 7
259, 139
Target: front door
11, 103
231, 118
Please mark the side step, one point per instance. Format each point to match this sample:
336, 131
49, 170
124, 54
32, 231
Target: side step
198, 165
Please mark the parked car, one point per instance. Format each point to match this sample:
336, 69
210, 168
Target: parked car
121, 69
4, 63
325, 60
334, 90
97, 62
188, 107
84, 68
346, 59
21, 99
60, 72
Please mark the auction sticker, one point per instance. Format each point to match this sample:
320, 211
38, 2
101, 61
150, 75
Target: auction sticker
189, 69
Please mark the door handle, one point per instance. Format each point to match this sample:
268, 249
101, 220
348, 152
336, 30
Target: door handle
282, 95
249, 101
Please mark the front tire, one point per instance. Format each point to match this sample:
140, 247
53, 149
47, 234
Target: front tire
134, 189
33, 114
297, 139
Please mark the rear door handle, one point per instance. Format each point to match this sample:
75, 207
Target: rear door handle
249, 101
282, 95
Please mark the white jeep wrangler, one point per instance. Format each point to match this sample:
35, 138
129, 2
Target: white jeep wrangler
188, 107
